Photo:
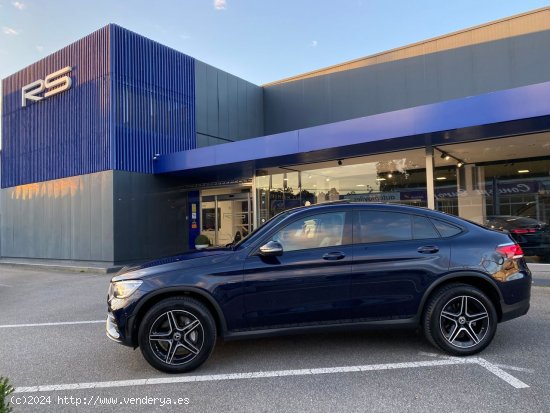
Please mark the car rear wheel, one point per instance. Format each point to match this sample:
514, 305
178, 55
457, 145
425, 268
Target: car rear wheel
460, 319
177, 335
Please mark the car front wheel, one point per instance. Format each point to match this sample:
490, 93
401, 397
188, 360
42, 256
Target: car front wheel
460, 319
177, 335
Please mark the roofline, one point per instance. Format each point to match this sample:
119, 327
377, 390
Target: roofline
479, 26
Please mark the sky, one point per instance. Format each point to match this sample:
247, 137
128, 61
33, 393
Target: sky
260, 41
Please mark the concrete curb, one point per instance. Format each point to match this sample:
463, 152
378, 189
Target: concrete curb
61, 268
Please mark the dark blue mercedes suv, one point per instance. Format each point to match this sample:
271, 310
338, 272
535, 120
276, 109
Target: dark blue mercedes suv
328, 266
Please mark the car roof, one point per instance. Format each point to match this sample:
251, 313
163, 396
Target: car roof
345, 204
348, 204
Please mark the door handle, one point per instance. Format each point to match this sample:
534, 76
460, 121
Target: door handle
428, 249
333, 256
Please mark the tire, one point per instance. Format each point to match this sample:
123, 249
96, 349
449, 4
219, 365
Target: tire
460, 319
177, 335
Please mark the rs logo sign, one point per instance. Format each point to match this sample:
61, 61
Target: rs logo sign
53, 84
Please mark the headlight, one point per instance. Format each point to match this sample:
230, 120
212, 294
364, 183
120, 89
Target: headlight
124, 289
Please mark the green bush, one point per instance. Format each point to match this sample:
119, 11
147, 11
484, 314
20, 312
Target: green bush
5, 390
202, 240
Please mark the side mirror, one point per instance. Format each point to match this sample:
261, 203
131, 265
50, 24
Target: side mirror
271, 249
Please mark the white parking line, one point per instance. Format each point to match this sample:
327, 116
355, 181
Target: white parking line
507, 367
279, 373
508, 378
502, 366
62, 323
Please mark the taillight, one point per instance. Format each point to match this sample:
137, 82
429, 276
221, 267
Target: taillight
523, 231
510, 250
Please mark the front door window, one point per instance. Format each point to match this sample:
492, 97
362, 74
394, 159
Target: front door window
317, 231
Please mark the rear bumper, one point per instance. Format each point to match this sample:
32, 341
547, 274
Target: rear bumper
510, 311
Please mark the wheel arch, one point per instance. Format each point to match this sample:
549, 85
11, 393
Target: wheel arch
478, 280
165, 293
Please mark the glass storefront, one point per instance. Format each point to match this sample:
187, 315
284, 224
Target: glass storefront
396, 177
226, 215
501, 183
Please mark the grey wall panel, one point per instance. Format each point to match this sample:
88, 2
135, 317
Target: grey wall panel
484, 61
316, 89
201, 101
455, 73
202, 140
69, 218
107, 216
530, 59
212, 101
340, 81
241, 105
447, 70
364, 93
223, 105
234, 110
95, 218
149, 216
258, 110
430, 77
75, 245
391, 85
227, 108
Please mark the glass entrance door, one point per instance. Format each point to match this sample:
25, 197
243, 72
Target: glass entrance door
226, 217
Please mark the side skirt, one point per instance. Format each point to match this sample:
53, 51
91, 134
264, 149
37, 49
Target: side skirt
322, 328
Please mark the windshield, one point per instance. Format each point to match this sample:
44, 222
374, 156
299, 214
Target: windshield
266, 225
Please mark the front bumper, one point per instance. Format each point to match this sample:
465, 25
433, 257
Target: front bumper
111, 328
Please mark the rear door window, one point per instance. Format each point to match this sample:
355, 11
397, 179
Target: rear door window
380, 226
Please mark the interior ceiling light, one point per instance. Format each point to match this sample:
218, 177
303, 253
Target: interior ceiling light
523, 171
360, 185
390, 175
441, 178
446, 156
380, 179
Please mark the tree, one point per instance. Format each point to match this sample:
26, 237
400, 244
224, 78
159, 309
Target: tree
5, 390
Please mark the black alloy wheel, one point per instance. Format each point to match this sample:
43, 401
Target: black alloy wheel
460, 319
177, 335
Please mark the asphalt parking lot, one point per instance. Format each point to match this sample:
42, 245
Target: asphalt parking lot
54, 350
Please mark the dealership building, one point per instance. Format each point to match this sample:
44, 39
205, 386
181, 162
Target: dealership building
117, 148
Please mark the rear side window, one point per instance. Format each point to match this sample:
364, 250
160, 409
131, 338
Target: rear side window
423, 228
446, 229
379, 226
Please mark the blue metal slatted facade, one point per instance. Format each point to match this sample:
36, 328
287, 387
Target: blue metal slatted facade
66, 134
131, 98
153, 100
